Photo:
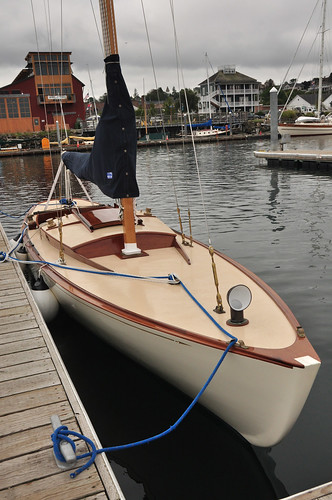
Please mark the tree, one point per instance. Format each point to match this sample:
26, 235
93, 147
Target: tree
265, 94
192, 99
156, 95
103, 97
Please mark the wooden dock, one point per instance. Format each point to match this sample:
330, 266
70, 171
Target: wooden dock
34, 385
315, 159
323, 492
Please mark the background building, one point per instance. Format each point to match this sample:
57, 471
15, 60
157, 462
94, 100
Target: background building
229, 91
41, 93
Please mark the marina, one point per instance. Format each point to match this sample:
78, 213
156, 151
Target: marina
34, 385
266, 225
191, 285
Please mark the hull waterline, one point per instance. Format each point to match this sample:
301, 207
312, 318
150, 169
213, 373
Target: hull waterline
305, 129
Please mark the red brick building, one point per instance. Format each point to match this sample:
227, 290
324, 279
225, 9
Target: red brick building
43, 93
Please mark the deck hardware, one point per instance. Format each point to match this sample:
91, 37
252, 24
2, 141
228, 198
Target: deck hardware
239, 343
238, 298
66, 449
219, 307
300, 332
50, 223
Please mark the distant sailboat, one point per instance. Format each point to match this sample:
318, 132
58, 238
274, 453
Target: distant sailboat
154, 293
305, 125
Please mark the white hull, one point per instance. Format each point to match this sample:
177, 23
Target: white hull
262, 404
209, 133
259, 390
303, 129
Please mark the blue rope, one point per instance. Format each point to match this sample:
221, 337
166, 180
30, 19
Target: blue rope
61, 431
82, 270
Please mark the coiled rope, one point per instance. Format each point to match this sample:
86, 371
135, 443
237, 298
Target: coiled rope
62, 432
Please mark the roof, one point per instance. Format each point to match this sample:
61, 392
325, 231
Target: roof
311, 98
24, 74
225, 78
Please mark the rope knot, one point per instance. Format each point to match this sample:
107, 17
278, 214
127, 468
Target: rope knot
173, 279
3, 256
61, 434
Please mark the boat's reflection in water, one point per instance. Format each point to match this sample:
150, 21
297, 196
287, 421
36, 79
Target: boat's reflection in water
202, 459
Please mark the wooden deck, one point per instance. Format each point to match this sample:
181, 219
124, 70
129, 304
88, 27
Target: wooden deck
34, 385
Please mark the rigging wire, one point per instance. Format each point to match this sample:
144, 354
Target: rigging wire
163, 124
97, 28
300, 72
177, 56
297, 48
190, 124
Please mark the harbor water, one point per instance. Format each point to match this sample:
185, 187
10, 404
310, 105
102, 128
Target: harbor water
275, 221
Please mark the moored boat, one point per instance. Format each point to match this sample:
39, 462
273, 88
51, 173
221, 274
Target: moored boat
160, 296
319, 124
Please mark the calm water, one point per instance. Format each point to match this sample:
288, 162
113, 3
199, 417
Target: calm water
277, 222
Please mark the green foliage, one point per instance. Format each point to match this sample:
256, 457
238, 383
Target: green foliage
156, 95
288, 116
192, 99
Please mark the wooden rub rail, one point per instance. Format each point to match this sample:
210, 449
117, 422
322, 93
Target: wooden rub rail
34, 385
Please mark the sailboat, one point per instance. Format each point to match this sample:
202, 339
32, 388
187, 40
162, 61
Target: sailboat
206, 129
320, 124
171, 303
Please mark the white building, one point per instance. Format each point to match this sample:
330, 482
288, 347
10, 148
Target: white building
228, 91
307, 103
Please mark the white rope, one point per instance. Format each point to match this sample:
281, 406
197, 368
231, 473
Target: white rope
156, 85
190, 124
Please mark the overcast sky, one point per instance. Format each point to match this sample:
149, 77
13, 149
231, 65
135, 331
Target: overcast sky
259, 37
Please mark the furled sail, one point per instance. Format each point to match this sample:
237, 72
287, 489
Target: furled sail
112, 163
197, 125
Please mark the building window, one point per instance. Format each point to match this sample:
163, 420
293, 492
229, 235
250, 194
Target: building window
54, 89
24, 107
3, 113
12, 107
51, 64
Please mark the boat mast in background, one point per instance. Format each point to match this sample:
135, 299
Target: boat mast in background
321, 62
107, 16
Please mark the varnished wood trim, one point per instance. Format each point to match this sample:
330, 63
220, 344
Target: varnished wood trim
284, 357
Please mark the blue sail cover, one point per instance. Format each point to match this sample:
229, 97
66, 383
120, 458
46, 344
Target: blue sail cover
111, 165
197, 125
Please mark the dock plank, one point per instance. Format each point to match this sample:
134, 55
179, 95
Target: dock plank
63, 488
26, 468
31, 399
18, 326
34, 384
17, 358
34, 417
30, 383
30, 440
26, 369
15, 343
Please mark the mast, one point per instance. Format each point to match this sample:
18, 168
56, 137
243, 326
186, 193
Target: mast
107, 15
321, 61
208, 89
